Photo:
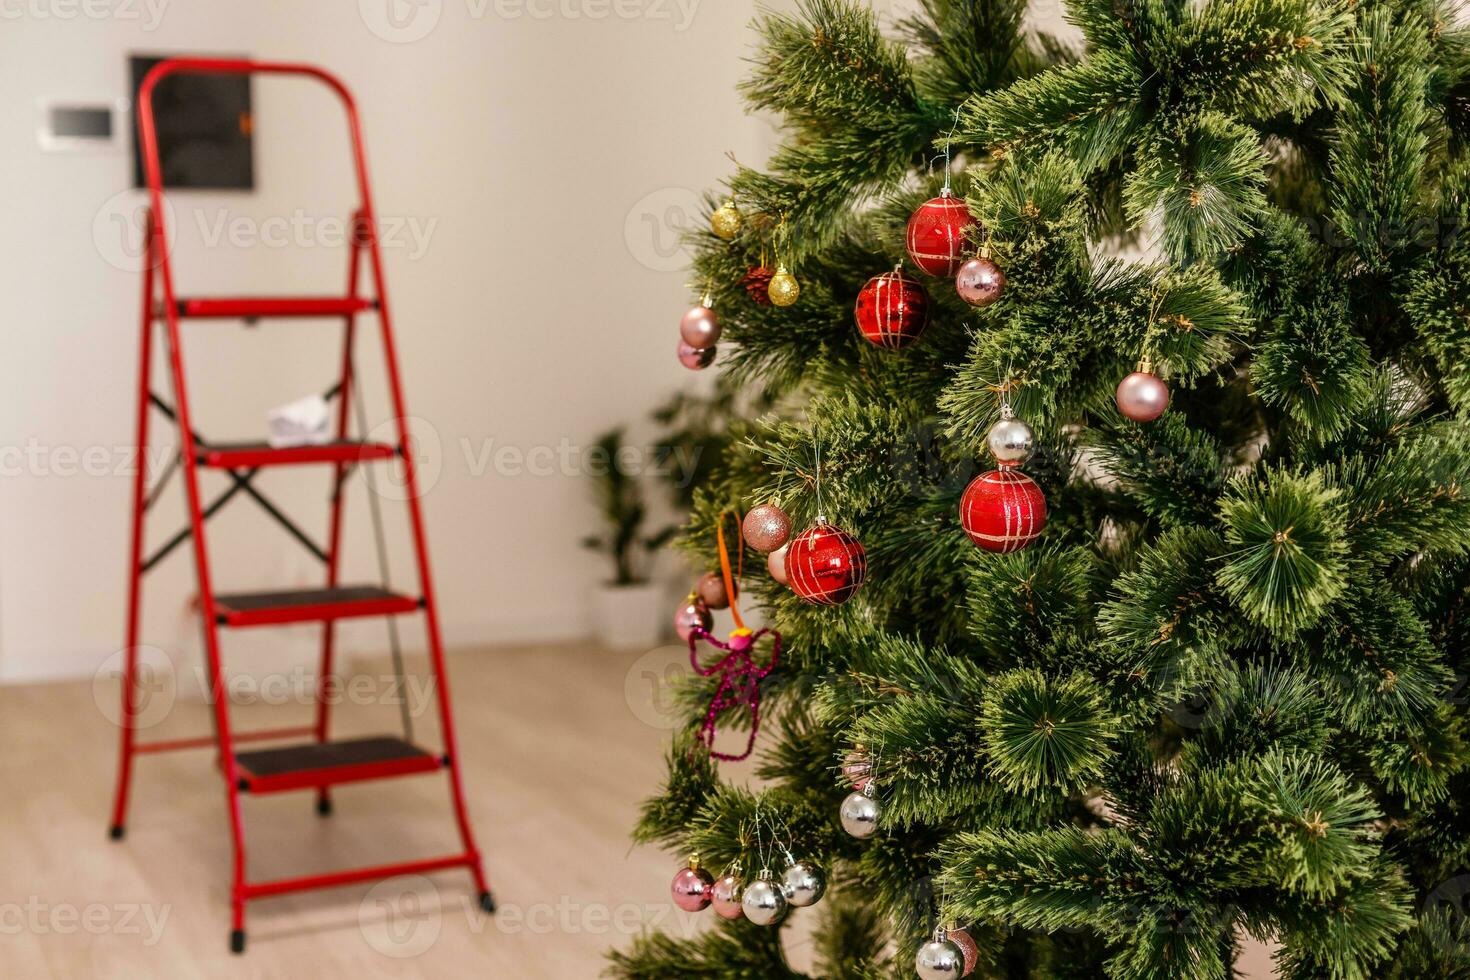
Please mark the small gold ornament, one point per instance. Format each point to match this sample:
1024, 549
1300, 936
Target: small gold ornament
725, 222
783, 289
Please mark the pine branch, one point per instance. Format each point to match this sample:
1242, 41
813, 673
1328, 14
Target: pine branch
738, 950
1284, 535
1380, 150
1202, 182
1092, 110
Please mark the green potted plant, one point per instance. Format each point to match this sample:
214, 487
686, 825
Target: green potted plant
627, 611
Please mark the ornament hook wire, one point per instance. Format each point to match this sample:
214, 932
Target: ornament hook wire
817, 448
948, 141
762, 852
1007, 410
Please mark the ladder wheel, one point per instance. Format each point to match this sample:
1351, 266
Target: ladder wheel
324, 806
116, 831
487, 903
237, 941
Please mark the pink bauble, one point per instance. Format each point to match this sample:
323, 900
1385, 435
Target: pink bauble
690, 616
711, 589
776, 564
936, 234
980, 282
857, 769
826, 565
1003, 510
696, 358
968, 949
725, 897
766, 527
691, 889
1142, 397
700, 327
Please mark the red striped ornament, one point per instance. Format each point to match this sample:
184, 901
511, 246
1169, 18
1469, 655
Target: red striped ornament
825, 564
936, 234
892, 310
1003, 510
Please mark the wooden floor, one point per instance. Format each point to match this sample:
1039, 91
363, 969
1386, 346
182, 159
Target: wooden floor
558, 746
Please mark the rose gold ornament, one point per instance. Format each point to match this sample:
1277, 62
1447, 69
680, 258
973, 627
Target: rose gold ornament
693, 614
711, 589
776, 564
691, 888
857, 769
766, 527
725, 897
980, 281
1141, 396
700, 326
696, 358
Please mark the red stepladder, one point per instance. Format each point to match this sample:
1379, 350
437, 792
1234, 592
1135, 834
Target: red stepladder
315, 760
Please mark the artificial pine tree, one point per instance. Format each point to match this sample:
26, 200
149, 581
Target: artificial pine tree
1223, 695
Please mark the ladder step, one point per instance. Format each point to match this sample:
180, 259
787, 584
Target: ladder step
327, 763
250, 307
247, 455
309, 605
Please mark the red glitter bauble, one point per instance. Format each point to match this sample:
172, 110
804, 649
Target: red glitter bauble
968, 949
892, 310
1003, 510
936, 234
825, 565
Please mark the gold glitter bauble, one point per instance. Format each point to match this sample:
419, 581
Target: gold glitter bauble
725, 222
784, 289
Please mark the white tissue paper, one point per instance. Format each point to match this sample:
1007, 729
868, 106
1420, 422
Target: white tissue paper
304, 422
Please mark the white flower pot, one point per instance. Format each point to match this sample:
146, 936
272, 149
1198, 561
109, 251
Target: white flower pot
625, 617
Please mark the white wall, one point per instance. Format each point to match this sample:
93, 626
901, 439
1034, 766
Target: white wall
544, 156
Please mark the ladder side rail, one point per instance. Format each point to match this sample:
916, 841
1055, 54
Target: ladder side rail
128, 721
415, 511
148, 135
339, 493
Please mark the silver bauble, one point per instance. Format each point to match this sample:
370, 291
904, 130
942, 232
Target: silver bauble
860, 812
939, 960
1011, 440
763, 902
804, 884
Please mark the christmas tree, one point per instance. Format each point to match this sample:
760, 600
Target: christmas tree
1205, 316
